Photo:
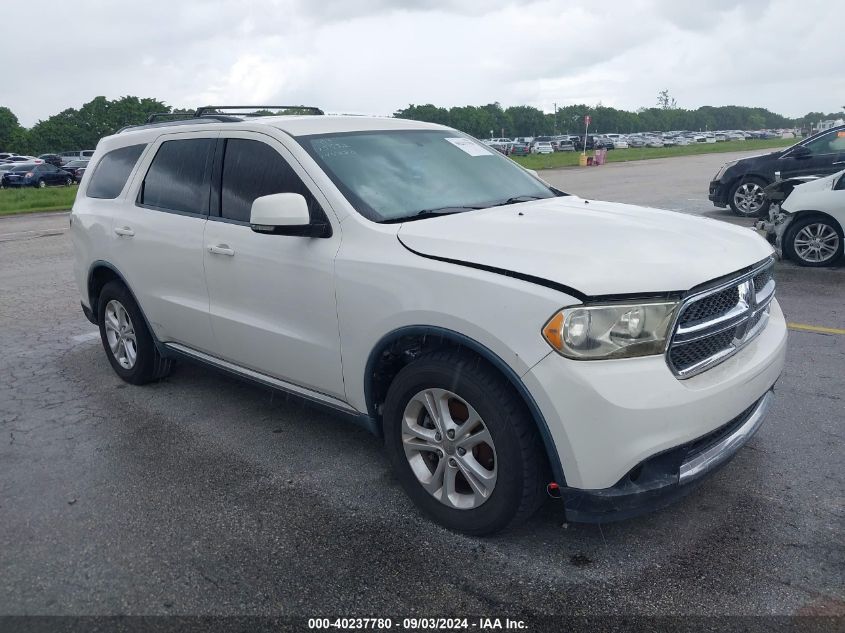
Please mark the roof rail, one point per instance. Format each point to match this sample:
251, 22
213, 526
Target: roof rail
206, 110
208, 114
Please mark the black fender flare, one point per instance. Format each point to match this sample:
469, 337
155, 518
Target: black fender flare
485, 353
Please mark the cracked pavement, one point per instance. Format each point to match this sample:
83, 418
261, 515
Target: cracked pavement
201, 494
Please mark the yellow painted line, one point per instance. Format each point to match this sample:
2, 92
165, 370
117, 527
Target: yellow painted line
814, 328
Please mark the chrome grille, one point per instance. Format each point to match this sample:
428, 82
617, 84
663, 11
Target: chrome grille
713, 306
714, 324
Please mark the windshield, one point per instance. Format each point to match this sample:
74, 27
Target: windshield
22, 167
390, 176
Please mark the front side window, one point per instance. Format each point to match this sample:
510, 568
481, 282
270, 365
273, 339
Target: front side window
830, 143
178, 179
391, 176
252, 169
112, 171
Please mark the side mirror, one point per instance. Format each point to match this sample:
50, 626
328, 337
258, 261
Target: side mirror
533, 172
800, 152
285, 214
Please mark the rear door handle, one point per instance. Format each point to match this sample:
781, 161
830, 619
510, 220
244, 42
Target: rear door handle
124, 231
221, 249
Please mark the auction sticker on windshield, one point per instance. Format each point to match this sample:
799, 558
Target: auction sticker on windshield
470, 147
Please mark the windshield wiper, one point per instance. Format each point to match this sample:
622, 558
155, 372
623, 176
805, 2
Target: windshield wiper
430, 213
517, 199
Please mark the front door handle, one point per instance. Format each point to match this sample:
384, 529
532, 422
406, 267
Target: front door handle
221, 249
124, 231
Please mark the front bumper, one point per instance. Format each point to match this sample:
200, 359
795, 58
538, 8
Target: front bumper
665, 478
775, 227
718, 193
607, 418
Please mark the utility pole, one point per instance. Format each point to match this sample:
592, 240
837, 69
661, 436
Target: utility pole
555, 104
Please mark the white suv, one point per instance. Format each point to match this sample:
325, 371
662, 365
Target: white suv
504, 338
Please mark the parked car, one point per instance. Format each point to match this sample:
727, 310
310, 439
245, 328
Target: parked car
806, 218
73, 168
4, 167
5, 155
542, 147
36, 175
82, 154
564, 145
740, 183
603, 142
489, 333
636, 141
53, 159
21, 159
520, 149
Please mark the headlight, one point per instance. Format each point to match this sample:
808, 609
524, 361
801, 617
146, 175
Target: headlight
610, 331
724, 168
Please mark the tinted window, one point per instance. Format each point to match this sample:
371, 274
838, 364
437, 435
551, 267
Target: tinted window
112, 171
178, 179
830, 143
23, 168
252, 169
48, 168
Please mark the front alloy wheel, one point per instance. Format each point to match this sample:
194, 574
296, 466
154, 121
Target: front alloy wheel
462, 443
814, 241
449, 449
748, 199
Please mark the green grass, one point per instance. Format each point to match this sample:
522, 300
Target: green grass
31, 200
570, 159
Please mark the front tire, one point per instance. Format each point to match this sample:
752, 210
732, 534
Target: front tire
814, 241
463, 444
747, 198
128, 343
41, 184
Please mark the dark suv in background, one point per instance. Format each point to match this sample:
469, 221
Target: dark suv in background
740, 183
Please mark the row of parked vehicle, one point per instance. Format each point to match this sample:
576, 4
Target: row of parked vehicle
65, 168
522, 146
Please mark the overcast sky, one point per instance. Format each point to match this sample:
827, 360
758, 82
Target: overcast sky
374, 56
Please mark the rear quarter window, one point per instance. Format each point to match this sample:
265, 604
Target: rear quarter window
111, 172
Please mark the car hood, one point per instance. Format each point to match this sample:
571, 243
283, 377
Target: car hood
593, 248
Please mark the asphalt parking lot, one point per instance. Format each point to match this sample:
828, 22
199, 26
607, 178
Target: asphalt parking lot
204, 495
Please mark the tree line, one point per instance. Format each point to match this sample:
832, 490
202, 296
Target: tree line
82, 128
492, 119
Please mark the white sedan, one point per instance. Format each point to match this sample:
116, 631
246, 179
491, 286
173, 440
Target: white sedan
542, 147
809, 223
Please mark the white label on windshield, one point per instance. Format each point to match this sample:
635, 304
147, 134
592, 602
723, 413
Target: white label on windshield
470, 147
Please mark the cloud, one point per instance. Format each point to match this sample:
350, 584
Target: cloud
374, 56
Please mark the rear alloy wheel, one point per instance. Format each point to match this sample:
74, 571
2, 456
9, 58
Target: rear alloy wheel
41, 184
814, 241
747, 198
463, 444
68, 182
128, 343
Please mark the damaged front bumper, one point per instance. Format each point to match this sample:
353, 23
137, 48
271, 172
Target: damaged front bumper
774, 227
664, 478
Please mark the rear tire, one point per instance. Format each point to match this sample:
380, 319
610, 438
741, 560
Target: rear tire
128, 343
41, 184
512, 456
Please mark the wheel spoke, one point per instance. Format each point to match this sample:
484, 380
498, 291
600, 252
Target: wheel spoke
479, 478
481, 437
449, 491
435, 482
418, 444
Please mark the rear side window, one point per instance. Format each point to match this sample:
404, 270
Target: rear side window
252, 169
111, 173
178, 179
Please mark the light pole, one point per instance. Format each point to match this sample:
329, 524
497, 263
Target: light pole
555, 126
